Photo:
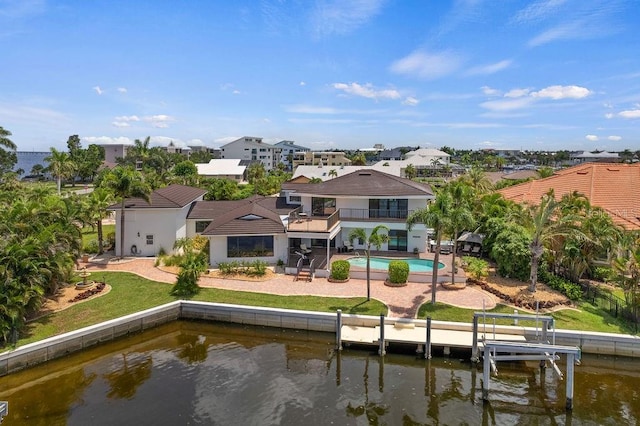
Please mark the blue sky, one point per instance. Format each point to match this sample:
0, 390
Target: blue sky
328, 74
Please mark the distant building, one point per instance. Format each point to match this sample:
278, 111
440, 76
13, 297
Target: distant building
428, 156
214, 152
228, 168
586, 156
325, 158
252, 149
288, 149
114, 151
172, 148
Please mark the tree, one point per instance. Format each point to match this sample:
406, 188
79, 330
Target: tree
97, 203
194, 263
37, 170
410, 171
186, 170
255, 172
437, 217
460, 216
478, 180
333, 173
124, 182
359, 160
8, 157
375, 238
545, 172
60, 165
545, 225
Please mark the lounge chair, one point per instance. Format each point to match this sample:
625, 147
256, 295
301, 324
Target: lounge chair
304, 250
476, 250
347, 246
466, 248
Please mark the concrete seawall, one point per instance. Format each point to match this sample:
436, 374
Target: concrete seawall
64, 344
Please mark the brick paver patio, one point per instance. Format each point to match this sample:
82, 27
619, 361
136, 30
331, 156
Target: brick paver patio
403, 302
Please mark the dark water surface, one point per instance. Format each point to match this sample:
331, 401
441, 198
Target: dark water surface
192, 373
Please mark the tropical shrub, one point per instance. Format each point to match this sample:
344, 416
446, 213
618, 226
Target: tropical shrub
340, 270
511, 252
604, 274
477, 268
398, 271
572, 290
193, 265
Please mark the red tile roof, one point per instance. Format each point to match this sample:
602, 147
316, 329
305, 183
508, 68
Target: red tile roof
612, 186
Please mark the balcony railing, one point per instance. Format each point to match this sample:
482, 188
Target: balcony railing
300, 221
374, 214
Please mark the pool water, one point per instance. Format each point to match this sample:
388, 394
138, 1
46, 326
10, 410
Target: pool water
381, 263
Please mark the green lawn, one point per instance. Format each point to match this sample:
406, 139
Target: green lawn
90, 234
131, 293
587, 318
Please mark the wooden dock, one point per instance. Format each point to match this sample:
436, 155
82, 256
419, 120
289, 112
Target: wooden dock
410, 333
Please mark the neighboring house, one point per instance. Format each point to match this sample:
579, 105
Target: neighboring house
287, 150
614, 187
315, 158
586, 156
114, 151
273, 228
155, 226
427, 156
223, 168
252, 149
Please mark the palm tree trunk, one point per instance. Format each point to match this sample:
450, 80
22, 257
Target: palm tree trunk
453, 256
434, 272
534, 273
100, 237
368, 277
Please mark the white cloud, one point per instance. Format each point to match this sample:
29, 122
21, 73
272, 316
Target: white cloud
98, 90
517, 93
490, 91
538, 10
562, 92
411, 101
423, 64
591, 138
507, 104
127, 118
122, 90
366, 91
107, 140
490, 68
633, 113
608, 115
309, 109
302, 83
341, 17
614, 138
120, 124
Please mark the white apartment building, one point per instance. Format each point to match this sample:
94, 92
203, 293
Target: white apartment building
288, 149
252, 149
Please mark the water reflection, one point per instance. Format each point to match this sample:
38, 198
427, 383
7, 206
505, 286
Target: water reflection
197, 373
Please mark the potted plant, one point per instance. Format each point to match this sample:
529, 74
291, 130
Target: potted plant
280, 266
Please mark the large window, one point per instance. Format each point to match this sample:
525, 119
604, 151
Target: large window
397, 240
250, 246
323, 206
389, 208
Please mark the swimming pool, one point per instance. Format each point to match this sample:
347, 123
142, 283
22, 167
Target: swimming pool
382, 263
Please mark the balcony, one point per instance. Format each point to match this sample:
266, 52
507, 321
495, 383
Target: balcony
300, 221
377, 215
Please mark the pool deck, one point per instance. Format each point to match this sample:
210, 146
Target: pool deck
403, 302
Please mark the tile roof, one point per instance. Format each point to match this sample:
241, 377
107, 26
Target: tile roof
372, 183
252, 216
611, 186
172, 196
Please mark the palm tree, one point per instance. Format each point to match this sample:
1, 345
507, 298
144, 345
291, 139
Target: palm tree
7, 159
410, 171
375, 238
545, 225
436, 216
124, 182
478, 180
461, 217
97, 205
60, 165
333, 173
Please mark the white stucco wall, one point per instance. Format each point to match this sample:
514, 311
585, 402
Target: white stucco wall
218, 251
166, 225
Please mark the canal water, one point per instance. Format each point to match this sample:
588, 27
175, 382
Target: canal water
194, 373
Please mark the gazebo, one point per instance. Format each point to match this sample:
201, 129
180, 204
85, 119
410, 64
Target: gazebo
470, 243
